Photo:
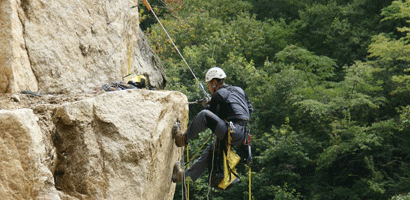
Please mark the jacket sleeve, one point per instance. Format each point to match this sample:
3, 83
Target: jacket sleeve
218, 98
213, 104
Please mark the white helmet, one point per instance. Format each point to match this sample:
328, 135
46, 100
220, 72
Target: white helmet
215, 72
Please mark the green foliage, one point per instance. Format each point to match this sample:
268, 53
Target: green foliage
332, 28
275, 9
329, 81
405, 118
401, 197
320, 67
284, 155
284, 194
390, 54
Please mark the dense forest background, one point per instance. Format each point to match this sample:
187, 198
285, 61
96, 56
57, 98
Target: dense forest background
329, 81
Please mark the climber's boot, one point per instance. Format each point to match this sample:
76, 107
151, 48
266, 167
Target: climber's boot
180, 138
178, 173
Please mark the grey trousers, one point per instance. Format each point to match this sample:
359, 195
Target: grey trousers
207, 119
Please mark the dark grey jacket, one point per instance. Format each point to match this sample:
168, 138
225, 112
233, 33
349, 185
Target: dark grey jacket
231, 103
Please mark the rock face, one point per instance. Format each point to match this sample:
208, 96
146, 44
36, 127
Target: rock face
117, 145
72, 46
15, 70
23, 170
114, 145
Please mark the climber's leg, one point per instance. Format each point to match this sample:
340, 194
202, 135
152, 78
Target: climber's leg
206, 119
201, 164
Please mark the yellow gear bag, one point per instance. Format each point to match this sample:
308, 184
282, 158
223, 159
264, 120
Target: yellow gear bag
139, 81
230, 177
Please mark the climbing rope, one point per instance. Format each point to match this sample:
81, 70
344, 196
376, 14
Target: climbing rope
250, 196
187, 157
212, 169
183, 177
186, 181
148, 6
129, 62
190, 160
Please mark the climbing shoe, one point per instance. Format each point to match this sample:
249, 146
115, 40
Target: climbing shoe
180, 138
178, 173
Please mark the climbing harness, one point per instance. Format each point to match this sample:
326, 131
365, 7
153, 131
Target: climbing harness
229, 160
148, 6
223, 175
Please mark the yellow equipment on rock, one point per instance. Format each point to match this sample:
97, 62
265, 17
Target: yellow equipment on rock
139, 81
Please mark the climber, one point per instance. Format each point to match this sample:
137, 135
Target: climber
228, 103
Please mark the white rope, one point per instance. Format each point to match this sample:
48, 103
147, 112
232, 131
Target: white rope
152, 10
212, 169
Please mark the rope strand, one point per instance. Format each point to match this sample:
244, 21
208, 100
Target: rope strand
212, 169
175, 46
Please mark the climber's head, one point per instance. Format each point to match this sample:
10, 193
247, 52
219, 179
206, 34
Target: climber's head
215, 78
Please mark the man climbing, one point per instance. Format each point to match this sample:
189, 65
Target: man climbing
228, 103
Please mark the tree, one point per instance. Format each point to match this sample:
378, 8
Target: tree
326, 125
329, 83
332, 29
392, 56
276, 9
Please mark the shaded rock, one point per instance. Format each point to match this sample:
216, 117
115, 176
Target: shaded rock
148, 62
15, 98
118, 145
22, 172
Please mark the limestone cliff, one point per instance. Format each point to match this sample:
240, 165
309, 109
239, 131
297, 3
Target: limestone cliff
74, 142
72, 46
116, 145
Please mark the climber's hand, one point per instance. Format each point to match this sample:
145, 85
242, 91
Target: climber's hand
206, 101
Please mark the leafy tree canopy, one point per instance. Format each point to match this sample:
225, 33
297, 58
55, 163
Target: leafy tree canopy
329, 81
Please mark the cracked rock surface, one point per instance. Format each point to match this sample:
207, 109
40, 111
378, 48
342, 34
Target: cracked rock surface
114, 145
65, 46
